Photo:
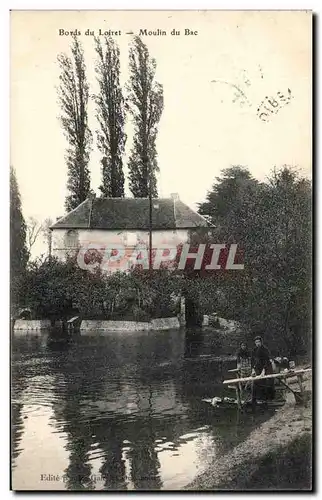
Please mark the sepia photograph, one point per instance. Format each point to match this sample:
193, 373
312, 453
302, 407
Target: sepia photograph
161, 250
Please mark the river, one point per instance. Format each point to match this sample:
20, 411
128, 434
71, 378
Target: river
119, 412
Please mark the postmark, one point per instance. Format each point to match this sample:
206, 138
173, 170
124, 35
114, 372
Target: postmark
242, 90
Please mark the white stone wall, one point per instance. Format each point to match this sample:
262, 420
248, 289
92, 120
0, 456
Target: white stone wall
165, 323
91, 325
31, 325
94, 326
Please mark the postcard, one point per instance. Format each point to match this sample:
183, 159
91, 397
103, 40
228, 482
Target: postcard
161, 250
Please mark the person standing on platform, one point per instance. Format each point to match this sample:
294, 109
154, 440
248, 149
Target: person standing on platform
261, 365
244, 360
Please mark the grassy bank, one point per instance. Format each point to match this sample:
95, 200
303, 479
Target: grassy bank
286, 468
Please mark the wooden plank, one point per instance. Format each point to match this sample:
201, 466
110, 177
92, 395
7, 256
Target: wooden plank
218, 359
291, 373
71, 320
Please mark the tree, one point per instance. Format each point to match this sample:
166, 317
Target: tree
287, 264
271, 221
231, 201
47, 234
110, 115
146, 105
73, 95
18, 249
34, 229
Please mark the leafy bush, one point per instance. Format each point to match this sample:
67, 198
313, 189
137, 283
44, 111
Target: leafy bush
139, 314
57, 290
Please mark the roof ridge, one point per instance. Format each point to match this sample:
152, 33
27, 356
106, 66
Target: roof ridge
129, 198
110, 214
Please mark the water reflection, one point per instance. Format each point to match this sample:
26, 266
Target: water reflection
16, 413
193, 343
127, 409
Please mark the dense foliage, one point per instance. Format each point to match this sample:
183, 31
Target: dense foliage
271, 221
55, 290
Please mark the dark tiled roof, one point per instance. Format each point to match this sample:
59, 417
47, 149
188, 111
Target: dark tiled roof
130, 213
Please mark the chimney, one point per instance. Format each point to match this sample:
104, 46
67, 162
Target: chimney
91, 197
175, 197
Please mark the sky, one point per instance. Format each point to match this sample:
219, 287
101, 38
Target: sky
205, 126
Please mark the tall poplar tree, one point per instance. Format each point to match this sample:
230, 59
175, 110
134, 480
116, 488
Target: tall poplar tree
73, 93
110, 116
146, 105
18, 248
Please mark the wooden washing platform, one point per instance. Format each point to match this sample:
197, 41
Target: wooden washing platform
210, 357
242, 384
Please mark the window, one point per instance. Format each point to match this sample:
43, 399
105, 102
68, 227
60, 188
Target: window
71, 238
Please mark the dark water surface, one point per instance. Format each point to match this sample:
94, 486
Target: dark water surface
122, 411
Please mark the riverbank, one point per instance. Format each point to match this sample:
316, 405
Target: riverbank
276, 456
